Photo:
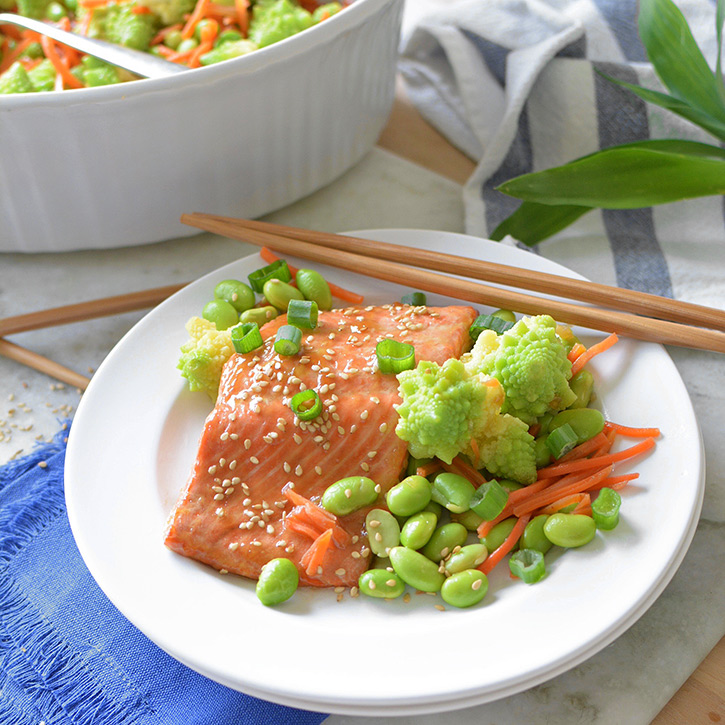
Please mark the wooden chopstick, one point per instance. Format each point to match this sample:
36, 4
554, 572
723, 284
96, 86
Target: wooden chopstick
642, 328
43, 364
91, 309
592, 293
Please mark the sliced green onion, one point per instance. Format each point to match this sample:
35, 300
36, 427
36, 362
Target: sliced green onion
506, 315
416, 299
277, 270
302, 313
246, 337
394, 356
561, 440
528, 565
488, 322
605, 509
288, 339
306, 404
489, 500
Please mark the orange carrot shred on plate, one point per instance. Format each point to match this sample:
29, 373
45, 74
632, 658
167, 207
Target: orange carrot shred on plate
8, 58
466, 470
574, 499
590, 352
242, 10
484, 528
487, 566
342, 294
51, 53
301, 527
197, 14
576, 350
585, 464
429, 468
616, 482
319, 548
577, 484
629, 432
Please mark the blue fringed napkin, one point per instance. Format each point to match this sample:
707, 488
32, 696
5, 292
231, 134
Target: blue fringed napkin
67, 656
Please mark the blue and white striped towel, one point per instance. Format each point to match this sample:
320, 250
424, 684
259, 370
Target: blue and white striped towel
512, 83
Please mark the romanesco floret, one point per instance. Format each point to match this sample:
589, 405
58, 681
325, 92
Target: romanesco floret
506, 450
204, 355
530, 362
275, 20
125, 27
15, 80
443, 408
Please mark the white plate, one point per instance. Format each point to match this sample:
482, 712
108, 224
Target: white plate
129, 453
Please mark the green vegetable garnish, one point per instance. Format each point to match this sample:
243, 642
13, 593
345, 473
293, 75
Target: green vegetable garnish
287, 341
306, 404
302, 313
246, 337
277, 270
488, 322
605, 509
394, 356
561, 440
489, 500
528, 565
415, 299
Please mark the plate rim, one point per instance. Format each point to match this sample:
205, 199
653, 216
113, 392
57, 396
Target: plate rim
435, 704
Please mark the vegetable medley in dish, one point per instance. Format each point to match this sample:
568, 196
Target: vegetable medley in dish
193, 33
388, 449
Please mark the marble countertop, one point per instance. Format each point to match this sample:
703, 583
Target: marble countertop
630, 681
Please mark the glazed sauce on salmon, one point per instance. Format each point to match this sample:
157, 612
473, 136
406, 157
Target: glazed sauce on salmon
253, 493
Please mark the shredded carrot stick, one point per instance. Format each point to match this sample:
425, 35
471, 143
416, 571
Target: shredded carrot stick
295, 524
141, 10
615, 482
319, 548
221, 11
10, 57
628, 432
568, 485
342, 294
484, 528
208, 35
584, 449
163, 50
433, 467
506, 547
196, 15
584, 464
90, 4
242, 10
462, 468
595, 349
575, 351
573, 499
51, 53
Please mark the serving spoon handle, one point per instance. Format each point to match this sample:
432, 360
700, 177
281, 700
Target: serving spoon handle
136, 61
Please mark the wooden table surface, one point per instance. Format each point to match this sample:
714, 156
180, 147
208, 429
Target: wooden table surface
702, 698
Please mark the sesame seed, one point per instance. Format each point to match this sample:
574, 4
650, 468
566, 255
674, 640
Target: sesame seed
232, 464
383, 427
378, 536
364, 415
217, 489
224, 436
372, 585
372, 454
254, 459
296, 438
42, 464
374, 524
340, 430
353, 428
218, 496
391, 582
348, 492
211, 470
340, 572
355, 555
298, 471
270, 529
364, 466
440, 608
234, 545
286, 467
247, 443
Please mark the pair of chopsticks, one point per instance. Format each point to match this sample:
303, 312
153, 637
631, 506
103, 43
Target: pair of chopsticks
646, 316
77, 312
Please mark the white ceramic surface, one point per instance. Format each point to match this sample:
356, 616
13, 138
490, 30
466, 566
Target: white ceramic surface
129, 453
117, 165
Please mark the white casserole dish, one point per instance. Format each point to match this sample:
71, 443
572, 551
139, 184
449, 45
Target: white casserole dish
117, 165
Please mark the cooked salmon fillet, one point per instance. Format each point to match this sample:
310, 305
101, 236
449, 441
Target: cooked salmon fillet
233, 513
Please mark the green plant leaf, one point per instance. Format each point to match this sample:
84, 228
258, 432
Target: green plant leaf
531, 223
678, 61
630, 176
719, 21
712, 125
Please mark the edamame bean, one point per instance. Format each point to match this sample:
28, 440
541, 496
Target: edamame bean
239, 295
452, 491
348, 495
415, 569
534, 537
582, 384
409, 496
277, 582
465, 588
498, 533
173, 38
470, 519
585, 422
260, 315
381, 583
314, 287
383, 531
187, 44
542, 453
467, 557
434, 508
221, 313
418, 529
544, 423
279, 293
444, 539
570, 530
